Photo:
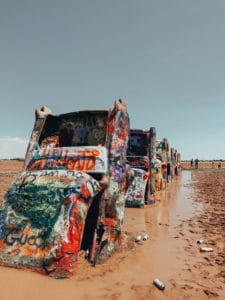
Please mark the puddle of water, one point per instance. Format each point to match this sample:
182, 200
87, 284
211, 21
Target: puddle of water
181, 203
176, 203
176, 206
165, 222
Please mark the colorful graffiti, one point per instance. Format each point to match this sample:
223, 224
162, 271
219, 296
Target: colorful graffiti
175, 162
138, 158
80, 171
112, 203
162, 150
86, 159
153, 161
138, 162
43, 220
74, 172
135, 195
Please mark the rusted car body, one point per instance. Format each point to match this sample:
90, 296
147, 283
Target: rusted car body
70, 195
140, 157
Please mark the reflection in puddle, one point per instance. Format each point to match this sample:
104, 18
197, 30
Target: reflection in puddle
167, 253
176, 204
166, 222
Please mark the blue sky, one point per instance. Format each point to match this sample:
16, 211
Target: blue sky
166, 58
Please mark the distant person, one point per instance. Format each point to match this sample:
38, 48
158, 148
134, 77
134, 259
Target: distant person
168, 173
196, 163
192, 163
219, 165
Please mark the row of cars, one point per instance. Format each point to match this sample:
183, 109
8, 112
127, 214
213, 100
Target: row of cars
80, 171
153, 163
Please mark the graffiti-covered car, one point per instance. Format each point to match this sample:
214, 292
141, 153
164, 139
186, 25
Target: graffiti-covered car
162, 154
175, 162
140, 155
70, 195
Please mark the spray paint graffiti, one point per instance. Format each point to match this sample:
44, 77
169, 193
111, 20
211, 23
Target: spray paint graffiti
44, 218
162, 150
86, 159
139, 191
134, 195
175, 162
113, 198
74, 173
153, 161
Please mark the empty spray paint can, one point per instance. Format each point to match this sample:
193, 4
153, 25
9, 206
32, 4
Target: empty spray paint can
138, 238
159, 284
206, 249
145, 237
200, 241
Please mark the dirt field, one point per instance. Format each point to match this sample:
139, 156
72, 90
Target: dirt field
192, 208
204, 164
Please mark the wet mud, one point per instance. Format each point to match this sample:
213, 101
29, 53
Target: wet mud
192, 208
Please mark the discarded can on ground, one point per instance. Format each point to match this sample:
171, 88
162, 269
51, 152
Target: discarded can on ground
145, 237
206, 249
200, 241
159, 284
138, 238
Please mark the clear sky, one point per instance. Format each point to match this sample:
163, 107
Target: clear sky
166, 58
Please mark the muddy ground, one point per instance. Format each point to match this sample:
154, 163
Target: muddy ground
191, 208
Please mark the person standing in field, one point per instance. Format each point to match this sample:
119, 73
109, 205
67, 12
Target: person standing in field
168, 173
196, 163
191, 163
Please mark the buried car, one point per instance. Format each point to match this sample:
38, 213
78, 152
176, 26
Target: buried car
70, 194
140, 158
162, 154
